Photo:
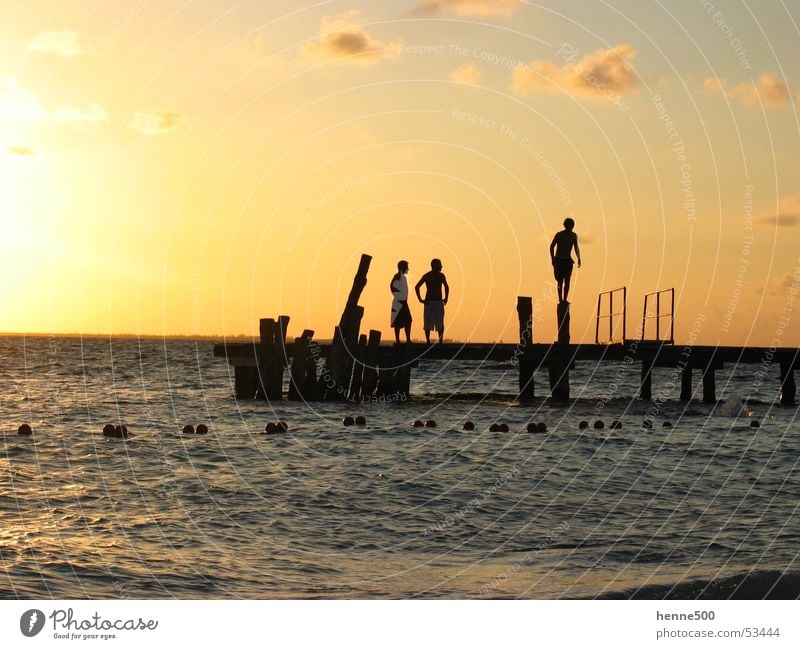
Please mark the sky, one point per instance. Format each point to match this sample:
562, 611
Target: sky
188, 167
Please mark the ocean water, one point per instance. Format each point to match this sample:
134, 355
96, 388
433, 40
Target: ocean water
707, 508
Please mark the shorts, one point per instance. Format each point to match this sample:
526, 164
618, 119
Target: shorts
434, 316
562, 268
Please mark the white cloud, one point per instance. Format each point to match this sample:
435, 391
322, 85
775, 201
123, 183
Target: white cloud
603, 74
467, 73
768, 89
155, 121
64, 42
469, 7
341, 39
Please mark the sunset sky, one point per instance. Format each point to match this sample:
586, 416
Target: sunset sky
186, 167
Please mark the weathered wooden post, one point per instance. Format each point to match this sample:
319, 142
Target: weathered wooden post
788, 388
297, 374
686, 383
646, 388
358, 367
559, 357
266, 329
526, 364
371, 363
562, 313
709, 384
242, 387
335, 378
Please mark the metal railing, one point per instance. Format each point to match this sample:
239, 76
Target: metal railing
661, 302
623, 299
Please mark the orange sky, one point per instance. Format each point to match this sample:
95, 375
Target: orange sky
173, 168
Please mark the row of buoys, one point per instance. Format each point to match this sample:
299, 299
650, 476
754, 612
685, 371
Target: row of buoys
537, 427
276, 427
201, 429
358, 421
418, 423
119, 431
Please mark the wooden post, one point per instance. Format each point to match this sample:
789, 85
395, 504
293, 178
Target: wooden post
526, 364
562, 313
646, 389
371, 362
559, 358
686, 383
266, 327
402, 373
312, 391
788, 388
336, 378
558, 372
297, 374
709, 384
241, 381
358, 367
350, 341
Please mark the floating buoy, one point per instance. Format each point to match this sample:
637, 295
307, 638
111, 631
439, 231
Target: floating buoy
754, 424
532, 427
418, 424
647, 424
541, 427
430, 424
599, 424
25, 429
282, 426
583, 424
120, 432
615, 425
188, 429
494, 428
503, 428
271, 427
468, 425
348, 421
666, 424
202, 429
361, 421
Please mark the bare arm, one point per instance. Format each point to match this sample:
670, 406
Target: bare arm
553, 248
416, 289
577, 251
446, 288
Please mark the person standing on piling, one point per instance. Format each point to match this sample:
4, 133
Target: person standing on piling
401, 314
434, 301
561, 257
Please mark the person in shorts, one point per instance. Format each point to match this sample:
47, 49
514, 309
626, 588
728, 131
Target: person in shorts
437, 293
561, 257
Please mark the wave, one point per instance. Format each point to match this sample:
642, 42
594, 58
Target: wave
766, 584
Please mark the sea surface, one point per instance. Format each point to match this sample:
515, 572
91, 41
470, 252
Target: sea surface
706, 508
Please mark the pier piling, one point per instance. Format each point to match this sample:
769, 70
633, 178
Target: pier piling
686, 384
788, 388
526, 364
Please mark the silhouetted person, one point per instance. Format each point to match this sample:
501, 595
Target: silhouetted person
561, 256
401, 314
434, 301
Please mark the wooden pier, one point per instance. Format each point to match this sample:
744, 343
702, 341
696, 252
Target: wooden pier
359, 368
